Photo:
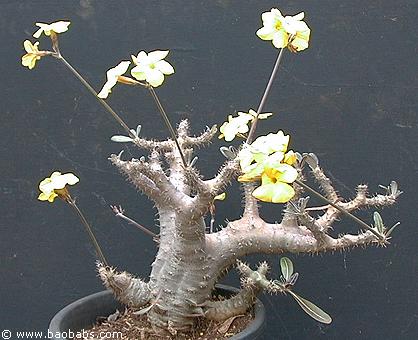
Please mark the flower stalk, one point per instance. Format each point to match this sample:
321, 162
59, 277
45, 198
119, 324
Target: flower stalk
167, 122
56, 186
251, 134
94, 93
93, 239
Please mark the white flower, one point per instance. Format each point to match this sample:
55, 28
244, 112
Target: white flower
289, 31
235, 126
54, 186
112, 78
239, 125
32, 54
57, 27
151, 67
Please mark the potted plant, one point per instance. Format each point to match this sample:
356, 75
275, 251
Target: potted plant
192, 254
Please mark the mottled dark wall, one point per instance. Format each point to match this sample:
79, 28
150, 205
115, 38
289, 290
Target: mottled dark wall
351, 98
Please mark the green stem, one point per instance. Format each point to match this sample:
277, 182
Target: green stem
89, 232
166, 121
264, 97
342, 210
94, 93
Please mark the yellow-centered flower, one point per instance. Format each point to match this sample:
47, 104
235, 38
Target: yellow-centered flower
289, 31
262, 162
32, 54
269, 148
57, 27
55, 186
151, 67
266, 159
274, 184
112, 78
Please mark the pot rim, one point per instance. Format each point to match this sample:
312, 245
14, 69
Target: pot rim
60, 323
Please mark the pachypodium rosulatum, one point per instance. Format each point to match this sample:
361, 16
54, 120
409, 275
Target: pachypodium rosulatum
191, 255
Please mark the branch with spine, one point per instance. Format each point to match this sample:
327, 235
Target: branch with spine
298, 232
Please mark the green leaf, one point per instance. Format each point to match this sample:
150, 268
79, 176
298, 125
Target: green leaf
393, 187
303, 202
228, 152
391, 229
378, 222
121, 139
193, 161
293, 279
311, 309
286, 266
312, 160
138, 130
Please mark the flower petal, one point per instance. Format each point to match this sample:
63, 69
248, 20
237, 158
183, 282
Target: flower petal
55, 174
59, 26
290, 157
29, 60
105, 91
47, 188
271, 143
280, 39
299, 16
264, 192
52, 197
282, 193
138, 73
27, 44
61, 181
267, 17
266, 33
142, 57
47, 197
275, 193
276, 12
157, 55
264, 115
43, 183
253, 173
120, 69
165, 67
286, 173
38, 33
70, 178
154, 77
301, 41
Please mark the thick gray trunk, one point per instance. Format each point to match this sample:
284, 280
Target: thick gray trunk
180, 279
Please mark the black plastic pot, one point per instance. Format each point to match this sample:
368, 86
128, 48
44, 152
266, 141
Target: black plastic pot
83, 313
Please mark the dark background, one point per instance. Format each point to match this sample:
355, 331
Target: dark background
351, 98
